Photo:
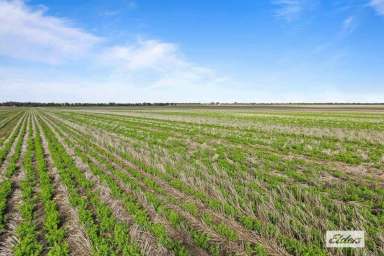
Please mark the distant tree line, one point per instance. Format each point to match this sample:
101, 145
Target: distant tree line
66, 104
113, 104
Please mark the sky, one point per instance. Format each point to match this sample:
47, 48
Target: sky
192, 50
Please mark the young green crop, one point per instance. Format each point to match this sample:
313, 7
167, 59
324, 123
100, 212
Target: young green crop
259, 160
190, 181
6, 186
55, 234
105, 232
5, 191
26, 231
171, 215
5, 149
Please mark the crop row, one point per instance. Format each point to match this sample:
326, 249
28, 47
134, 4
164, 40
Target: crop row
8, 122
6, 147
219, 227
216, 205
352, 152
6, 186
239, 156
270, 182
26, 231
13, 149
136, 211
305, 119
107, 235
152, 192
184, 188
54, 233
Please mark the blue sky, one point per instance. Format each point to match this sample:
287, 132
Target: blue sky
193, 51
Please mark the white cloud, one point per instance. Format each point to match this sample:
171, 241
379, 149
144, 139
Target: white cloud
348, 24
34, 88
31, 35
378, 5
157, 64
144, 66
144, 54
290, 10
19, 85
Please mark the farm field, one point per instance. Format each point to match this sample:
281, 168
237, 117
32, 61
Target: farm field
190, 180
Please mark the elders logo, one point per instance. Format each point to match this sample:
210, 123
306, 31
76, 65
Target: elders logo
352, 239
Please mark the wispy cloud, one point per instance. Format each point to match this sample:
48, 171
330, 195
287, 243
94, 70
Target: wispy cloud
126, 5
378, 5
348, 24
161, 63
110, 13
30, 34
143, 54
288, 9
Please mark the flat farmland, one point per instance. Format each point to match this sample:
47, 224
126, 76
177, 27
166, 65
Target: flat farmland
190, 180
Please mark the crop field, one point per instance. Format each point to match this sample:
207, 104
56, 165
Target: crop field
190, 180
